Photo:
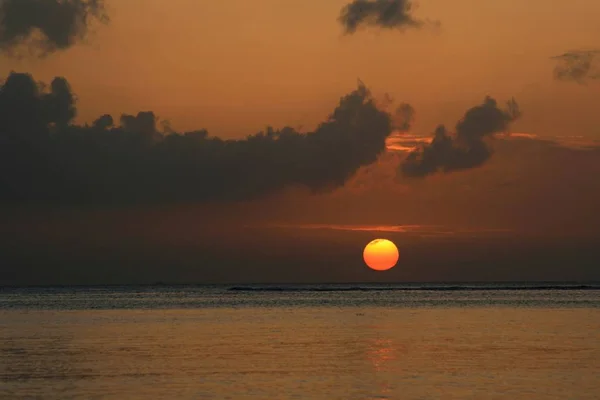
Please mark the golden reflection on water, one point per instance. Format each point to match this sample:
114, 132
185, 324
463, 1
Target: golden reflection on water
315, 353
380, 353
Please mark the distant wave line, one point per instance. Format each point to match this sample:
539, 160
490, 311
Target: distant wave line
403, 289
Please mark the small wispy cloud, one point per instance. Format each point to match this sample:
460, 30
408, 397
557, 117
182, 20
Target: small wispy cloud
578, 66
416, 230
359, 228
522, 135
405, 143
578, 142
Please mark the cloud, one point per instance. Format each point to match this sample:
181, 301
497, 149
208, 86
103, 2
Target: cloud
46, 25
467, 148
360, 228
405, 142
46, 159
414, 230
399, 142
385, 14
578, 66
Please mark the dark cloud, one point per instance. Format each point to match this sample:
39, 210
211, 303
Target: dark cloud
59, 23
466, 149
578, 66
386, 14
46, 159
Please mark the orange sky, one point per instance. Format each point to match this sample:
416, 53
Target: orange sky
237, 66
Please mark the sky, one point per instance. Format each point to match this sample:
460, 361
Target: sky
199, 62
477, 203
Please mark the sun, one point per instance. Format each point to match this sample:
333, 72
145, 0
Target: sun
381, 254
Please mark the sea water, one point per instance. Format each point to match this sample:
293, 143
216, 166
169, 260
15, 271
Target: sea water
301, 342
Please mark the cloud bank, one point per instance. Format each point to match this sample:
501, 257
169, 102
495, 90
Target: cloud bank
46, 25
46, 159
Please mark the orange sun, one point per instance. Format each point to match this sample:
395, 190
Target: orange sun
381, 254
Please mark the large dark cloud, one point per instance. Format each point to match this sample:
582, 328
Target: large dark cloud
59, 23
578, 66
467, 148
386, 14
46, 159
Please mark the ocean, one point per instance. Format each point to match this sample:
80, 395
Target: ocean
503, 341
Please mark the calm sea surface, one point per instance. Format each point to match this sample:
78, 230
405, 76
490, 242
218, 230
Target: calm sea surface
309, 342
